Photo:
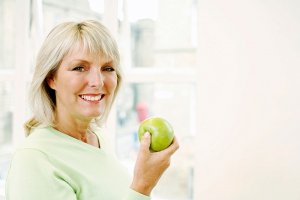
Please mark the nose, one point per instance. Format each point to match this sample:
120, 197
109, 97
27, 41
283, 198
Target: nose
95, 78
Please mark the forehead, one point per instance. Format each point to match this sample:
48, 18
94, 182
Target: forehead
79, 52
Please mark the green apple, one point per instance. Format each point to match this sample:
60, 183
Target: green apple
161, 132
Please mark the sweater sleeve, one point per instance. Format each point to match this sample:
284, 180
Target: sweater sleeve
133, 195
32, 177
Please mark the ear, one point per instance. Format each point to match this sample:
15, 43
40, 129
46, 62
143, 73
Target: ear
51, 82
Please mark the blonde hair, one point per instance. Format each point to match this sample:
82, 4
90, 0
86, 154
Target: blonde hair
95, 38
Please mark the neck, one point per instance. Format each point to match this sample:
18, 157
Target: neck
74, 128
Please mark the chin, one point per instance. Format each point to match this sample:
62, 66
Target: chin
96, 114
91, 115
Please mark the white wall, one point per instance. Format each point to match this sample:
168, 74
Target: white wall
249, 96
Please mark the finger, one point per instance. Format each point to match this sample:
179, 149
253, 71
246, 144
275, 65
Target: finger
173, 147
146, 141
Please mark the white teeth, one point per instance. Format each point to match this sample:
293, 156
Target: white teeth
91, 98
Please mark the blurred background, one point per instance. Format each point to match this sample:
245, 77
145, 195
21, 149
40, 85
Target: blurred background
224, 73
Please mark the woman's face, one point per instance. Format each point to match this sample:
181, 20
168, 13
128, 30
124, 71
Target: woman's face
84, 85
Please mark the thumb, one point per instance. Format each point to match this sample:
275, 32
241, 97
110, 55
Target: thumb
146, 141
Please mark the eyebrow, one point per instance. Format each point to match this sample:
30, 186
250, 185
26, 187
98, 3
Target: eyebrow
79, 60
109, 62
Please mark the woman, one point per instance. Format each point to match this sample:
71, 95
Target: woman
64, 157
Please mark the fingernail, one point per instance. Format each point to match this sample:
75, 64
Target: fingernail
147, 134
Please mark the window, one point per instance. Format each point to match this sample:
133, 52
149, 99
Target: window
158, 47
157, 41
174, 102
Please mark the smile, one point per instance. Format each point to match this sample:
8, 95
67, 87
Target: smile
92, 97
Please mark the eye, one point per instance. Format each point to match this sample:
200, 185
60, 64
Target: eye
79, 69
108, 69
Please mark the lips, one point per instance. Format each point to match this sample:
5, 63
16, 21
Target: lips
92, 97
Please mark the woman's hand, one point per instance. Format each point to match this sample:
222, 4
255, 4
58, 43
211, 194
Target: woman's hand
150, 166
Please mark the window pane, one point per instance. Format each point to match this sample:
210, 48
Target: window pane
6, 113
161, 33
174, 102
7, 64
56, 10
5, 157
6, 117
7, 34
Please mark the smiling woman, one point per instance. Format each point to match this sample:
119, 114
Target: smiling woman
66, 156
76, 47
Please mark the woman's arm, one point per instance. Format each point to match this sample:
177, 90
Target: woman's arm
32, 177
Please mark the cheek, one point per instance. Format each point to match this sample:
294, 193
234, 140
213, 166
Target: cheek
70, 86
112, 83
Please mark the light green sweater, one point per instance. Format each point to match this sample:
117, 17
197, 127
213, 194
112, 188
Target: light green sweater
51, 165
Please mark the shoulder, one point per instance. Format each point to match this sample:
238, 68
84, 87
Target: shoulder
29, 156
45, 140
39, 137
32, 150
30, 161
41, 132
